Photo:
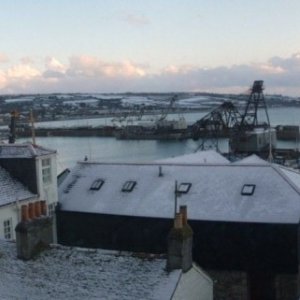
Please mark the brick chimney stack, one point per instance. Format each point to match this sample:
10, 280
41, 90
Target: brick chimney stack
35, 231
180, 243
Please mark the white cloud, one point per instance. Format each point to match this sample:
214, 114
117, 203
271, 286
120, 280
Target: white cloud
53, 64
3, 80
136, 20
87, 73
93, 67
3, 58
22, 71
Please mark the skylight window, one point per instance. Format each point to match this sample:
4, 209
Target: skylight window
97, 184
184, 187
248, 189
128, 186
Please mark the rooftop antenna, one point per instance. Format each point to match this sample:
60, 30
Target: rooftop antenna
32, 127
13, 120
270, 158
175, 196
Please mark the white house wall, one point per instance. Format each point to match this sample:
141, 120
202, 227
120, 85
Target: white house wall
11, 212
48, 191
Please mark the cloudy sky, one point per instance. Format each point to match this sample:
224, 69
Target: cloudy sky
151, 46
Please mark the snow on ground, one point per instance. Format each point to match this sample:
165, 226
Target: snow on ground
74, 273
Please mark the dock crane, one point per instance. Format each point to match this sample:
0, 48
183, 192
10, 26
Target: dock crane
249, 135
218, 123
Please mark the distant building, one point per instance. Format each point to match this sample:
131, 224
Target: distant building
27, 174
245, 216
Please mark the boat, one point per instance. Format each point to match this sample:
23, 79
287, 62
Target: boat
158, 128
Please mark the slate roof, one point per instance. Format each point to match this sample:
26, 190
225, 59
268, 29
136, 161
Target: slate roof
11, 189
215, 193
74, 273
26, 150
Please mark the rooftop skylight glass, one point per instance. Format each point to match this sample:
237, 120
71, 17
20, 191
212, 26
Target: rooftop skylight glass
128, 186
248, 189
184, 187
97, 184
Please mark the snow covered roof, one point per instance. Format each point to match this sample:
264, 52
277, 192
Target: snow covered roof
25, 150
12, 190
252, 159
218, 192
73, 273
208, 156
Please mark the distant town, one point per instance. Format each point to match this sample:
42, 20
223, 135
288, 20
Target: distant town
52, 107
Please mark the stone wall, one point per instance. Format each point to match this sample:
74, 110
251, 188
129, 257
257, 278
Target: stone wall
234, 285
229, 285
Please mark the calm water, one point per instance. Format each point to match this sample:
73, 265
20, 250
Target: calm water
72, 149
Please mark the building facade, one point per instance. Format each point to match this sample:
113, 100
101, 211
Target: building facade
28, 174
245, 216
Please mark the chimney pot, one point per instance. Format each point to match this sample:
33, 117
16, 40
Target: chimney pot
37, 208
31, 211
43, 208
24, 213
183, 211
178, 221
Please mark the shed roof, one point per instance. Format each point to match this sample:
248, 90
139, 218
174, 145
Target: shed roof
25, 150
73, 273
12, 190
215, 193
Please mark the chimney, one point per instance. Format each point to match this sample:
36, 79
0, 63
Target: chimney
35, 231
24, 213
180, 243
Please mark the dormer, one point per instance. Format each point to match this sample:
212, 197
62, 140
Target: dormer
34, 166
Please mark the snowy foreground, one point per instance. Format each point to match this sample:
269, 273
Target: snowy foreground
73, 273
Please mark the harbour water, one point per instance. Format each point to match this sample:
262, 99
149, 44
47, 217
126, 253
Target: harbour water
72, 149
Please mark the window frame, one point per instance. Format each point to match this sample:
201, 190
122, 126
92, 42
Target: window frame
181, 190
46, 170
248, 189
128, 186
97, 184
7, 229
51, 209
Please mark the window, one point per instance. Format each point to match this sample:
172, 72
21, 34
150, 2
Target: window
51, 209
128, 186
7, 226
46, 170
184, 187
248, 189
96, 185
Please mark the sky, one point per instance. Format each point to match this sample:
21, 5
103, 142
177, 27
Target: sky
103, 46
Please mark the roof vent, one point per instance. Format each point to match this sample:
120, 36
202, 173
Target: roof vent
160, 172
